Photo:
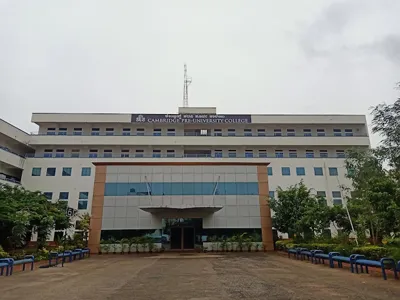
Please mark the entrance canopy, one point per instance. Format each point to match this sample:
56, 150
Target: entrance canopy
179, 210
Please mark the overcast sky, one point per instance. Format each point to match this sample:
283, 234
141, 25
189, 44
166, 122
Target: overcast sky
245, 56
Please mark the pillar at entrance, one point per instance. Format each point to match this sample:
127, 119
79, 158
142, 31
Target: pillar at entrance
265, 211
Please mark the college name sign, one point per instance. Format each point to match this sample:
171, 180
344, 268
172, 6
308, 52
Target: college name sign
191, 118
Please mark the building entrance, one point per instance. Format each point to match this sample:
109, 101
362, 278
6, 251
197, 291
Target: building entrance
183, 234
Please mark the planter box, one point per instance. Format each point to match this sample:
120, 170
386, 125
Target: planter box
118, 247
209, 246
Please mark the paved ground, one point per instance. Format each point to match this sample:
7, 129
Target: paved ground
167, 277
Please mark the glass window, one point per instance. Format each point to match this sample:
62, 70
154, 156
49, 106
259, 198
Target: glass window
36, 171
348, 132
318, 171
140, 131
107, 153
86, 171
309, 153
139, 153
218, 153
300, 171
217, 132
336, 194
156, 153
48, 153
92, 153
307, 132
323, 153
77, 131
320, 132
51, 172
75, 153
278, 153
171, 131
337, 202
248, 153
231, 132
271, 194
292, 153
285, 171
261, 132
337, 132
109, 131
170, 153
321, 194
82, 204
59, 153
232, 153
262, 153
48, 195
333, 172
125, 153
84, 195
340, 154
95, 131
157, 132
62, 131
63, 196
126, 131
269, 171
51, 131
290, 132
248, 132
66, 171
277, 132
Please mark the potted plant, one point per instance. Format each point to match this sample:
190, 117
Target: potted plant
131, 241
150, 245
257, 246
138, 242
241, 238
143, 243
249, 244
223, 245
123, 243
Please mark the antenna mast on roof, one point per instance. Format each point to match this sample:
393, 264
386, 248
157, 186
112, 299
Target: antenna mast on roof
186, 82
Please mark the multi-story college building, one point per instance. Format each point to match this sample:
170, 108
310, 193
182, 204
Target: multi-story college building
210, 173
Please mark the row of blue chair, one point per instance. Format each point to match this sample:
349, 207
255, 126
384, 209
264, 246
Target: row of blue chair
68, 254
9, 263
354, 260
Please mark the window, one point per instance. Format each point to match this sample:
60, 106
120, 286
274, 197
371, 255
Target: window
170, 153
307, 132
300, 171
248, 132
320, 132
95, 131
157, 132
60, 153
336, 194
75, 153
261, 132
321, 195
337, 132
171, 131
262, 153
278, 153
323, 153
277, 132
62, 131
125, 153
77, 131
82, 204
156, 153
248, 153
139, 153
348, 132
340, 154
140, 131
63, 196
290, 132
51, 172
36, 171
48, 195
217, 132
318, 171
107, 153
271, 194
48, 153
231, 132
309, 153
218, 153
109, 131
285, 171
292, 153
204, 132
126, 131
51, 131
333, 172
83, 195
92, 153
269, 169
337, 202
66, 171
232, 153
86, 171
337, 198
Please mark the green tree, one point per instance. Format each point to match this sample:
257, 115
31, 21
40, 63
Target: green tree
299, 212
84, 226
24, 212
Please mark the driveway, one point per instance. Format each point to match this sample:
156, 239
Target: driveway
197, 277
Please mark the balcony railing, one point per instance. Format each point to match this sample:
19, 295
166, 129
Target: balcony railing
8, 150
9, 178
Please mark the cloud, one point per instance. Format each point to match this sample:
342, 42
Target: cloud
389, 47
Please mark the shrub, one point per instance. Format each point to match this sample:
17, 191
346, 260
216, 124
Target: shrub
3, 254
372, 252
284, 244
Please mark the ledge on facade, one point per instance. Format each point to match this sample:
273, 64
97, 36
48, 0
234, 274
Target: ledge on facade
178, 209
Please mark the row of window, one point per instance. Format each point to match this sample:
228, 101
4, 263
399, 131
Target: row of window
301, 171
66, 171
64, 196
125, 153
215, 132
336, 196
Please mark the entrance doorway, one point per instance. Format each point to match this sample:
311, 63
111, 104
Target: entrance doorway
182, 238
184, 234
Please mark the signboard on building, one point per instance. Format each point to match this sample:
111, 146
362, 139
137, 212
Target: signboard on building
191, 118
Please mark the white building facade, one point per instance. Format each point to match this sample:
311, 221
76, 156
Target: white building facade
132, 171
